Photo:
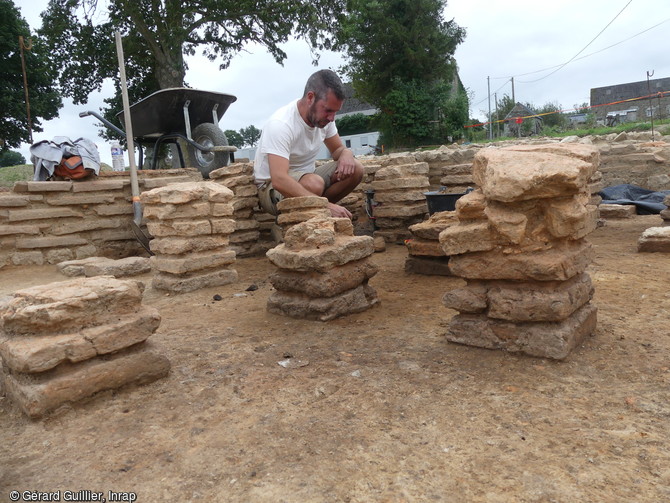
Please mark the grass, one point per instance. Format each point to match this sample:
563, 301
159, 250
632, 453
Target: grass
11, 174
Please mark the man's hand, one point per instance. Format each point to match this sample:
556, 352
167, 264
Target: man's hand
338, 211
346, 164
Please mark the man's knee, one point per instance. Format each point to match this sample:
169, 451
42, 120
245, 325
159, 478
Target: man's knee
314, 183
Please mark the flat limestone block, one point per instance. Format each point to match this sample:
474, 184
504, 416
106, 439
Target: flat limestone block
187, 192
617, 210
324, 284
129, 266
75, 267
560, 263
181, 245
431, 228
289, 204
190, 283
346, 249
66, 305
30, 354
543, 339
191, 262
429, 266
38, 394
424, 248
323, 309
654, 239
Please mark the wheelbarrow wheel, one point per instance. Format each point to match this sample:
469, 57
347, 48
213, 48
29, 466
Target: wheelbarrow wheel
207, 135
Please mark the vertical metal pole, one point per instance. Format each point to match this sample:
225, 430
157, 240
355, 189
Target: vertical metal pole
488, 84
651, 108
513, 97
495, 97
25, 85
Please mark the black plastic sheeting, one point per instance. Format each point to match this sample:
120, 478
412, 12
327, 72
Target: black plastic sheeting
647, 201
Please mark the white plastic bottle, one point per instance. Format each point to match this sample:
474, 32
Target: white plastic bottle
118, 163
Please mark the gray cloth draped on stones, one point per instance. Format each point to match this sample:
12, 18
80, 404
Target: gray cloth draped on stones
45, 155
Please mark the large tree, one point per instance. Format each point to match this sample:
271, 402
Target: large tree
159, 33
400, 59
43, 98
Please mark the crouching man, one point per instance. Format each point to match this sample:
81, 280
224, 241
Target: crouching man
285, 163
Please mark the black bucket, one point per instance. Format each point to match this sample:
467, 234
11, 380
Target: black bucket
439, 201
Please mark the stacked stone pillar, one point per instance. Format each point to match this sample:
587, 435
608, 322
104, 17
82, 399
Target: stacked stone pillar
520, 245
426, 255
399, 196
65, 341
239, 177
323, 271
657, 239
294, 210
191, 224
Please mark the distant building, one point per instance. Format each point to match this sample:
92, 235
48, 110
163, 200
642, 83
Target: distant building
634, 101
516, 118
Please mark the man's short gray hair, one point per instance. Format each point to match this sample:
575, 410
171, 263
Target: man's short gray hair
321, 82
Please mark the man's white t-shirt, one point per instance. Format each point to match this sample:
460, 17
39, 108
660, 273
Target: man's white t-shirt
287, 135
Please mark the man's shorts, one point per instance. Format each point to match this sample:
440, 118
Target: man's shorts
268, 197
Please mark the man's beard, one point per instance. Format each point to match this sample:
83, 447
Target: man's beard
311, 118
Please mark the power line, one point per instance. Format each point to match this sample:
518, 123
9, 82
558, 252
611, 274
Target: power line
583, 49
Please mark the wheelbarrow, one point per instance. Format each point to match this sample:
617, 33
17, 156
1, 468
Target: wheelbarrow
166, 116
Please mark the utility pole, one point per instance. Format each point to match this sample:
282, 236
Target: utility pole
513, 98
25, 83
495, 96
488, 84
651, 108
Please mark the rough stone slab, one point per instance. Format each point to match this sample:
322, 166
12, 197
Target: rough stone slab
72, 304
467, 238
129, 266
187, 192
51, 186
415, 182
470, 299
457, 180
534, 171
172, 211
68, 383
301, 203
154, 183
179, 228
246, 225
399, 196
236, 168
42, 214
181, 245
184, 284
84, 225
323, 309
428, 266
544, 339
244, 237
79, 199
396, 158
192, 262
28, 258
97, 185
236, 181
346, 249
30, 354
617, 210
572, 218
509, 221
402, 171
295, 216
113, 209
424, 247
75, 268
222, 210
13, 201
241, 203
245, 191
317, 232
654, 239
471, 206
431, 228
559, 263
324, 284
50, 242
400, 210
9, 230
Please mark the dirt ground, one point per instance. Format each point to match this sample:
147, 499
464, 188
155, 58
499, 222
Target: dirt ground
378, 406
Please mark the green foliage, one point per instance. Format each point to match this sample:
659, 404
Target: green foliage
43, 97
251, 135
11, 174
157, 36
11, 158
554, 117
354, 124
234, 138
400, 59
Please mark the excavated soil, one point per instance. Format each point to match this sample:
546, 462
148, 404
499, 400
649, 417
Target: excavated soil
377, 406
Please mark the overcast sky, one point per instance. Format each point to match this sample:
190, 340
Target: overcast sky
603, 42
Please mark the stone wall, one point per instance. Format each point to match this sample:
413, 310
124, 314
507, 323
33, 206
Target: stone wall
50, 222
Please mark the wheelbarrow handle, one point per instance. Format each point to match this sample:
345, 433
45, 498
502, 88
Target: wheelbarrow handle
103, 120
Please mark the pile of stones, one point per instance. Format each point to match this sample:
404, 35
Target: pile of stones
323, 271
239, 177
399, 195
191, 224
65, 341
520, 245
425, 254
294, 210
450, 168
